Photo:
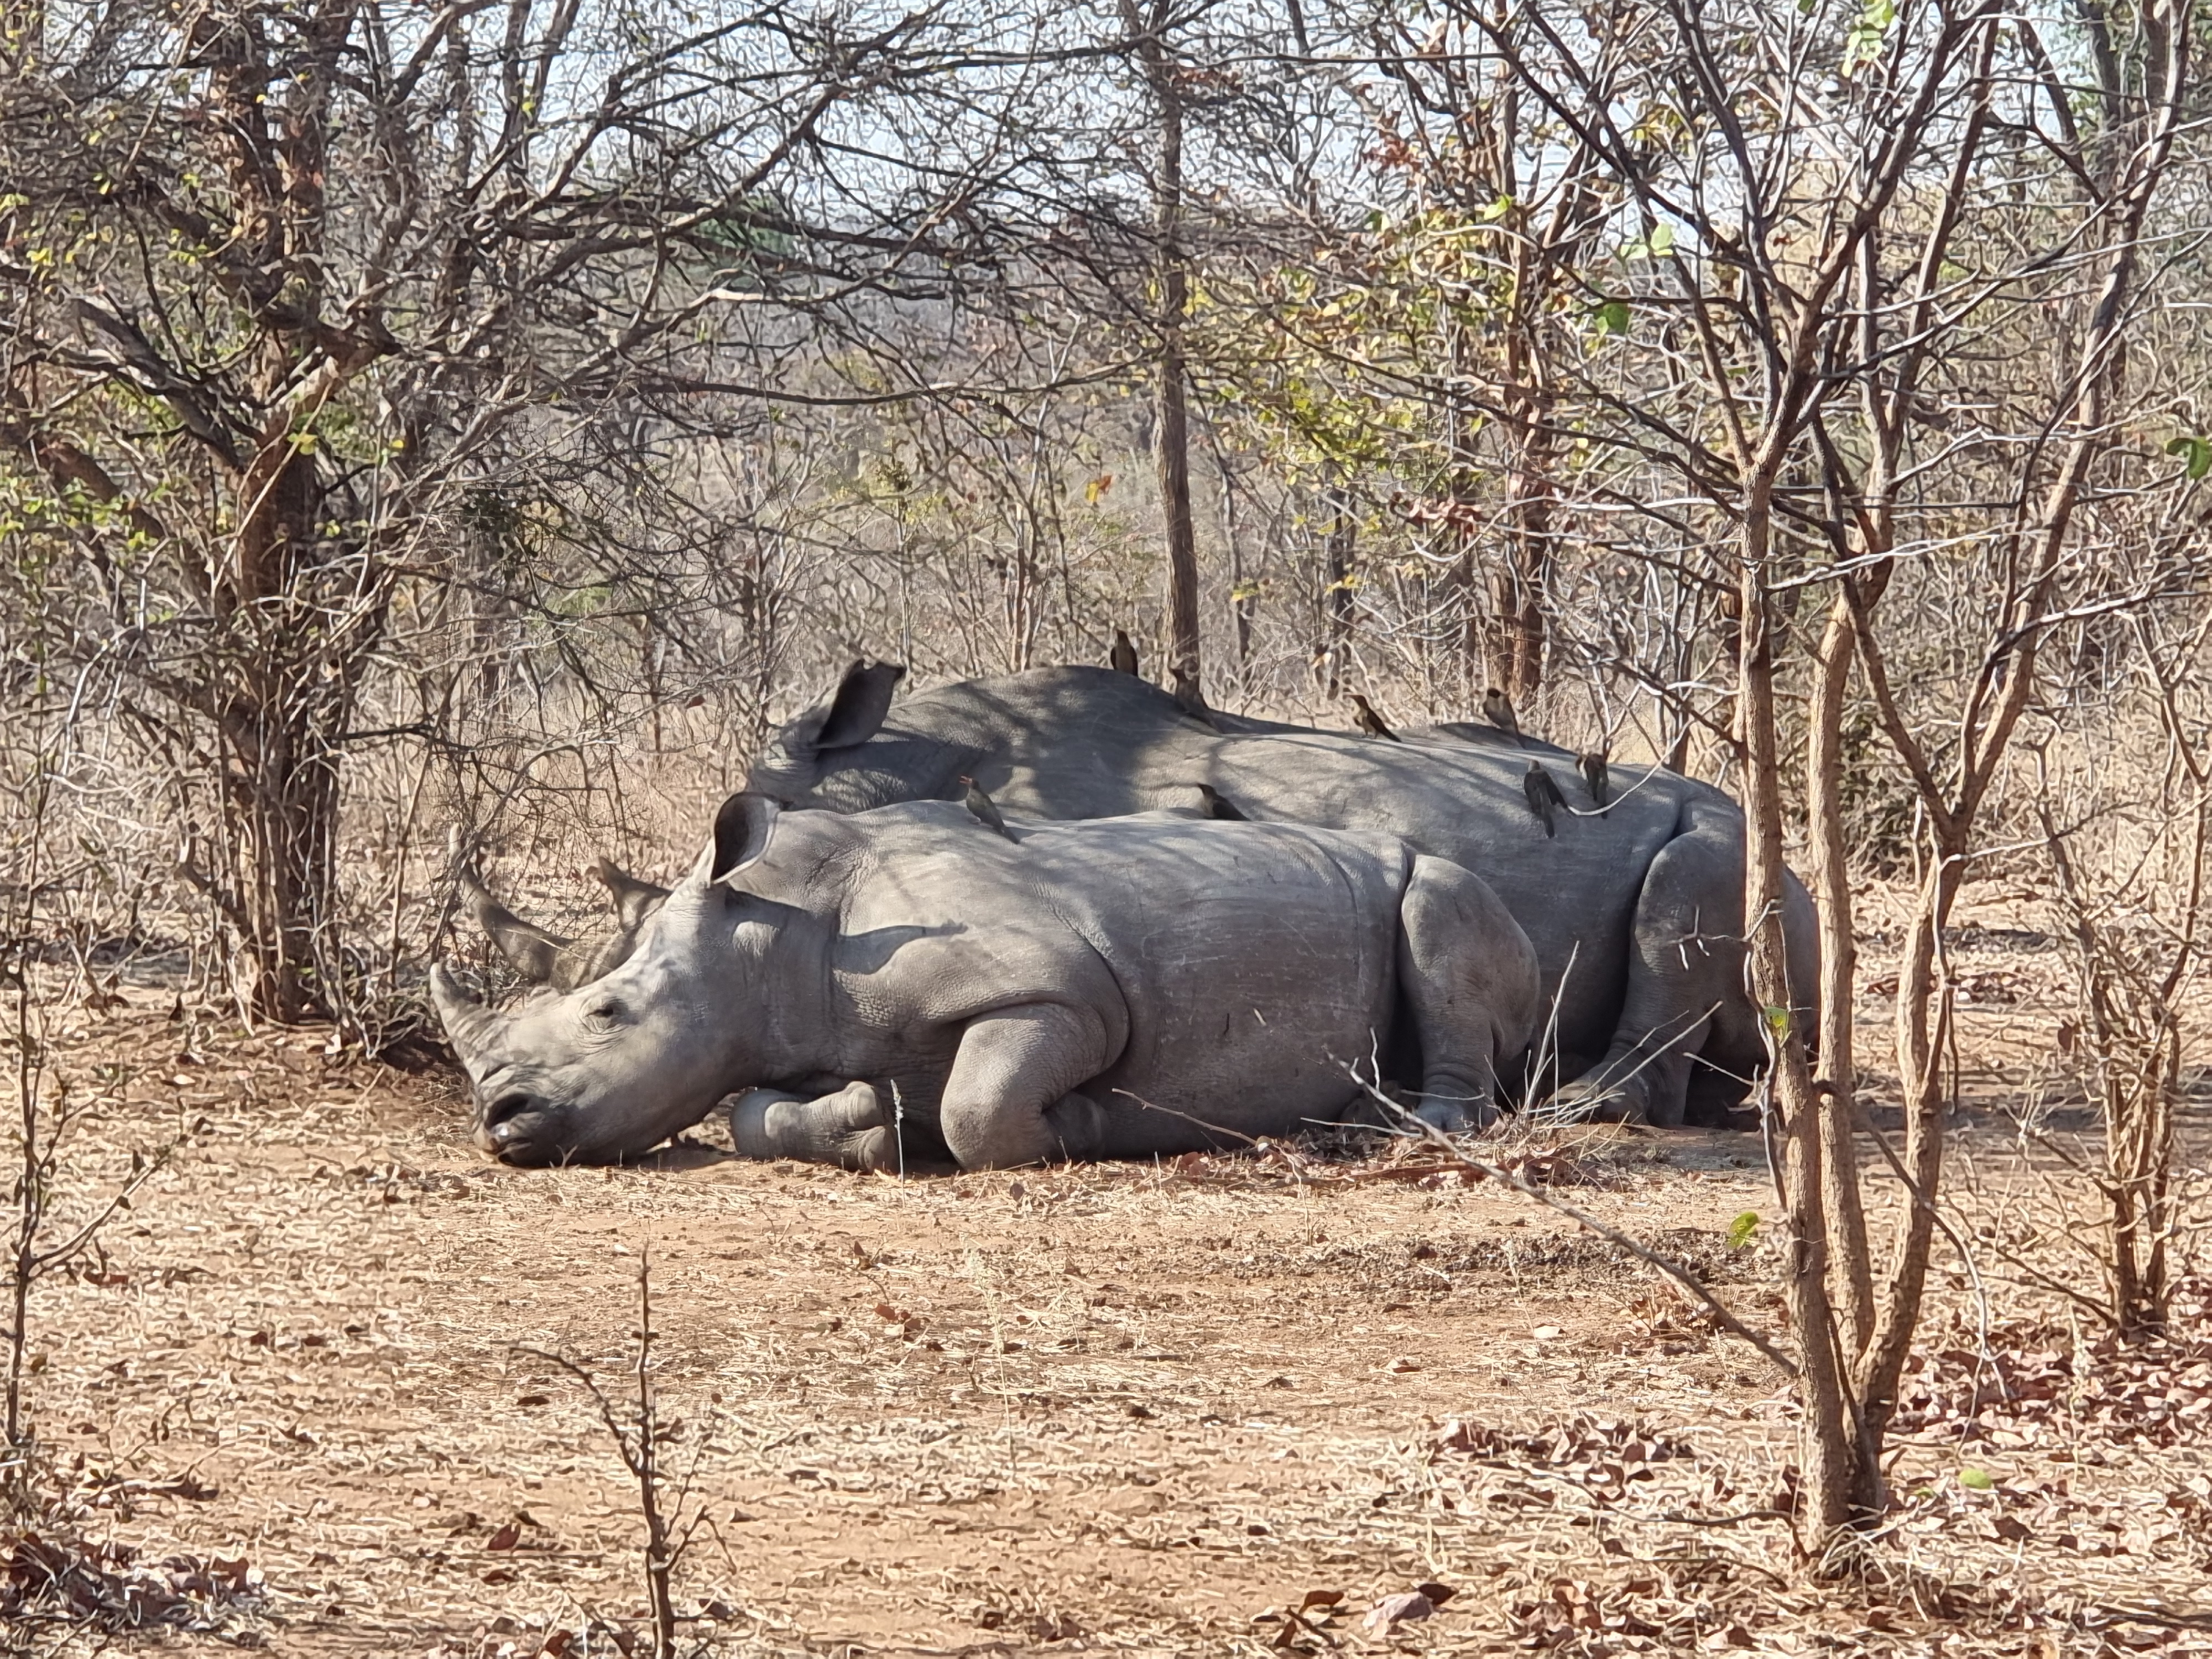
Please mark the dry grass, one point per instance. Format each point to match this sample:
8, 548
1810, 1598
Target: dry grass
1115, 1409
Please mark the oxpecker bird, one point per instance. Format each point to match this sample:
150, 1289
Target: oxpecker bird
980, 805
1593, 765
1370, 722
1498, 710
1544, 796
1122, 658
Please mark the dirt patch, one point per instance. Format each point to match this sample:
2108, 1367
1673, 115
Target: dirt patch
1126, 1409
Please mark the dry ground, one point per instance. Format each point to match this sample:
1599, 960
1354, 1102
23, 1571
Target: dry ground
1113, 1410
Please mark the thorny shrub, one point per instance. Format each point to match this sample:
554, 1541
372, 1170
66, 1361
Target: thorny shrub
55, 1576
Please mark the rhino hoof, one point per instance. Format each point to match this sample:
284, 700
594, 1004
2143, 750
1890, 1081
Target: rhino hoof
1454, 1117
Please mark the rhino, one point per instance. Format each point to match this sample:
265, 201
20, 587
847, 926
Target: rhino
904, 986
1634, 905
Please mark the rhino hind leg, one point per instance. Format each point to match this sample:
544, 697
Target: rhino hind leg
1467, 980
1685, 987
852, 1129
1013, 1098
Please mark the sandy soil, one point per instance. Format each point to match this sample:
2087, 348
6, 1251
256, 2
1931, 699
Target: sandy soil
1122, 1409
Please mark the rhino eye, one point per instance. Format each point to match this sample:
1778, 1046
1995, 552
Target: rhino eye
605, 1015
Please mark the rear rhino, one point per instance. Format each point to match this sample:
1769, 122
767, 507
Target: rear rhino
1106, 990
1634, 905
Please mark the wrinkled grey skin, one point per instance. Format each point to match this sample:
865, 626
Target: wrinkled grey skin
1637, 915
1107, 989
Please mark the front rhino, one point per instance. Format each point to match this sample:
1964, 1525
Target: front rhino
1107, 989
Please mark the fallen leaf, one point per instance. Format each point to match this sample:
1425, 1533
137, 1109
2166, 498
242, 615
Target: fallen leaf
506, 1538
1320, 1599
1974, 1480
1438, 1593
535, 1400
499, 1576
1403, 1364
1398, 1609
1548, 1333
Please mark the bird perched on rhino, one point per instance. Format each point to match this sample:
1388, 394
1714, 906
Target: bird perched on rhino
1544, 796
1122, 658
986, 813
1592, 766
1369, 721
1498, 710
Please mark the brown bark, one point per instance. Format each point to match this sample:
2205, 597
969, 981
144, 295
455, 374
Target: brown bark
1850, 1266
1171, 418
1832, 1468
1336, 593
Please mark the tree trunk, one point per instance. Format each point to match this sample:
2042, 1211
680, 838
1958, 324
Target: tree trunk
1335, 608
1829, 1454
1850, 1269
1171, 423
282, 785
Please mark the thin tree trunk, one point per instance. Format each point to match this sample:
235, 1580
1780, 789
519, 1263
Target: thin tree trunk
1171, 423
1828, 1456
1851, 1273
1336, 593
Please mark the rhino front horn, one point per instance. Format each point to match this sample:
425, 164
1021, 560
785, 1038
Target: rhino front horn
464, 1016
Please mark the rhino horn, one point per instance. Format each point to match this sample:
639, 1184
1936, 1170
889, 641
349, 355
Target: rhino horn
529, 949
633, 900
467, 1021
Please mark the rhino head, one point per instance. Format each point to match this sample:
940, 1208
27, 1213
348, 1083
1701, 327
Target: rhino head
609, 1065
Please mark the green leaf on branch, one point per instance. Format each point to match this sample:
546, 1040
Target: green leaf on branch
1742, 1229
1613, 317
1865, 43
2198, 451
1777, 1020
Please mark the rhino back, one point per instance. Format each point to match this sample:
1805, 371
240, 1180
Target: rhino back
1084, 743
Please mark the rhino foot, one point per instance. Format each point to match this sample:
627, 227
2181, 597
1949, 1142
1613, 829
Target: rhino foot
852, 1128
1456, 1116
1592, 1100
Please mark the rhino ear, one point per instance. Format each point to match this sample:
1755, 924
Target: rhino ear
743, 829
863, 699
633, 900
530, 950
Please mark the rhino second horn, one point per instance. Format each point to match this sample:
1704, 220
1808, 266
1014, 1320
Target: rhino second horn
466, 1020
633, 900
529, 949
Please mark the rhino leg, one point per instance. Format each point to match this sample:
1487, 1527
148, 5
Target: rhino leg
1011, 1099
852, 1128
1468, 976
1685, 971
